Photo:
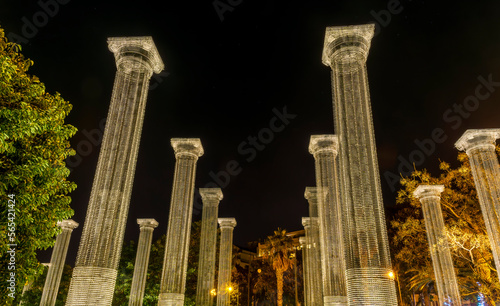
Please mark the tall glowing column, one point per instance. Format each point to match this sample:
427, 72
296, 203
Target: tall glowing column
146, 227
173, 279
324, 150
480, 148
446, 281
95, 271
208, 245
225, 257
313, 244
368, 262
53, 280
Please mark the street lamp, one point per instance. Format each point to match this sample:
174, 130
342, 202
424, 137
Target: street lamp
394, 276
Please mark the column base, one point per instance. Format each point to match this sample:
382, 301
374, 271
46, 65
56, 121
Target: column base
371, 286
91, 286
335, 300
171, 299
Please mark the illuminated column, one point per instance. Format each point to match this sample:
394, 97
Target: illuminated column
57, 260
208, 245
447, 287
95, 271
306, 262
173, 279
225, 257
303, 241
324, 150
141, 261
367, 258
313, 242
480, 148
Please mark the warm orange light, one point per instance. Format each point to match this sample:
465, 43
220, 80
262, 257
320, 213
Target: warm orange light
391, 275
213, 292
229, 288
259, 270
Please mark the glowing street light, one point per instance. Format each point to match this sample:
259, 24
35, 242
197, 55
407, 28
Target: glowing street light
213, 292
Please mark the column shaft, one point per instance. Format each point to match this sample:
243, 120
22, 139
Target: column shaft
442, 262
365, 234
95, 271
173, 280
208, 245
314, 247
306, 263
225, 260
324, 149
480, 148
141, 261
57, 260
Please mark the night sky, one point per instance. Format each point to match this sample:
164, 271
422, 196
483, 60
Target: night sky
433, 69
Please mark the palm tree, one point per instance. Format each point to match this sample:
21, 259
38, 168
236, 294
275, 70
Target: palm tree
278, 254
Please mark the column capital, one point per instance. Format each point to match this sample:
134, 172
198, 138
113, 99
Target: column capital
324, 143
151, 223
211, 194
347, 43
226, 222
190, 146
313, 193
135, 53
473, 139
425, 191
306, 222
67, 224
302, 240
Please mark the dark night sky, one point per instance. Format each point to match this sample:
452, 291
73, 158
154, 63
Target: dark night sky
224, 78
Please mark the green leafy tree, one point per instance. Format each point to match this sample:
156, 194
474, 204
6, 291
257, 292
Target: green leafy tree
33, 295
466, 233
34, 143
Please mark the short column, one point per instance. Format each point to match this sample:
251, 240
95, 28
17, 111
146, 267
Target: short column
173, 280
57, 260
306, 262
480, 148
146, 227
324, 149
313, 245
225, 259
446, 281
208, 245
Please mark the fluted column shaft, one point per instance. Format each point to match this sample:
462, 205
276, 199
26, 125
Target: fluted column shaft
225, 259
95, 271
324, 150
442, 262
314, 248
57, 260
173, 280
208, 245
146, 227
480, 148
365, 234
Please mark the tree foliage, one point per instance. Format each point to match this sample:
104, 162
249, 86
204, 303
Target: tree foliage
280, 245
153, 279
466, 233
34, 143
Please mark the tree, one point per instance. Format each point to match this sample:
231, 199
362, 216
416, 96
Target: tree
34, 143
278, 253
155, 267
33, 295
466, 231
